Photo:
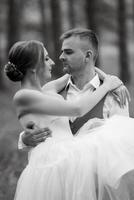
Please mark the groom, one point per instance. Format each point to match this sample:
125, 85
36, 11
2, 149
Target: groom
78, 55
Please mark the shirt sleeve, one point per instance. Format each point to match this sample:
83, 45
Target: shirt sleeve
21, 145
111, 107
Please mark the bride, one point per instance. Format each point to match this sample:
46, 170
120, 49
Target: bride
89, 166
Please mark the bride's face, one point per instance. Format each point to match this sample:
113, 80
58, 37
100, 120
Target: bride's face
48, 64
45, 75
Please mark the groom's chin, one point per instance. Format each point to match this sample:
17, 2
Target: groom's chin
66, 70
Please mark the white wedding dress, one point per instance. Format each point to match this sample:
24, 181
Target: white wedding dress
97, 164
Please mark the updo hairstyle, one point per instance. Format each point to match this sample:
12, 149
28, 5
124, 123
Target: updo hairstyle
23, 55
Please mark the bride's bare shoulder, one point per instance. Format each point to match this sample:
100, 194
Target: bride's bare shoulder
24, 95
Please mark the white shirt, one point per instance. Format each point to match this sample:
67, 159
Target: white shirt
110, 107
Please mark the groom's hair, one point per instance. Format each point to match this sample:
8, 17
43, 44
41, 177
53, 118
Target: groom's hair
83, 33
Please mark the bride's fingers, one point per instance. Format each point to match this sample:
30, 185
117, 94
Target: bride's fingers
102, 75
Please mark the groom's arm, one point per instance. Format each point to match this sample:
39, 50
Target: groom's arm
21, 144
32, 136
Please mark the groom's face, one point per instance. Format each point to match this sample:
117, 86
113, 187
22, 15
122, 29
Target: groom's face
72, 55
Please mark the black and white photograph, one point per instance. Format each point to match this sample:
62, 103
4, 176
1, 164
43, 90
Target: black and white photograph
66, 99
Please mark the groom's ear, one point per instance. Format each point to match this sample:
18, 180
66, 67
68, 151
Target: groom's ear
89, 54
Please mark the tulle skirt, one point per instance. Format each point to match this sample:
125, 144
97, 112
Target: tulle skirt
97, 164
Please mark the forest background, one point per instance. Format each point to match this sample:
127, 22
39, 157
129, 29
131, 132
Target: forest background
45, 20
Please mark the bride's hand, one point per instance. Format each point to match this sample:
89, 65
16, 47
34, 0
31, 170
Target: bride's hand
100, 73
112, 82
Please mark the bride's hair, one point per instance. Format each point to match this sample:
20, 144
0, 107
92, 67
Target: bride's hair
23, 55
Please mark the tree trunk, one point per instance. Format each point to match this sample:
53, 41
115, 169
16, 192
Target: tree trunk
122, 32
2, 59
92, 21
13, 31
2, 84
14, 22
56, 32
133, 13
71, 13
45, 29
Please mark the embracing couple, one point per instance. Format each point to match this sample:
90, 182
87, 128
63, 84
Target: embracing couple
92, 163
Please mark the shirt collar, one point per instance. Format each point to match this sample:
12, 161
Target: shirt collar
95, 82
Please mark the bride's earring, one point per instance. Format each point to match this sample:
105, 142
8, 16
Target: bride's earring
33, 70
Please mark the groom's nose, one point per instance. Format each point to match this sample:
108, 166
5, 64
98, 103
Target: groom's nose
62, 57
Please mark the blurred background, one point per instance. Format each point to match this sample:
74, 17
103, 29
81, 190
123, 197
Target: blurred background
45, 20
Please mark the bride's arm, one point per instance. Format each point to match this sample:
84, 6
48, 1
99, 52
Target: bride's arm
57, 85
30, 101
121, 94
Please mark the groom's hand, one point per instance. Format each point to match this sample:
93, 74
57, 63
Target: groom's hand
33, 135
